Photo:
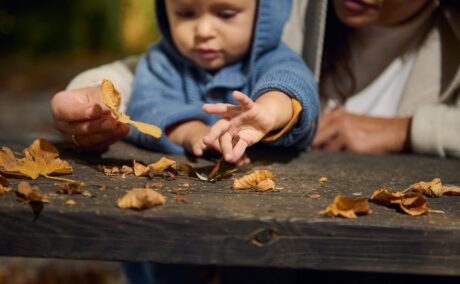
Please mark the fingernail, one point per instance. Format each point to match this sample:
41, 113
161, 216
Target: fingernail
107, 125
93, 111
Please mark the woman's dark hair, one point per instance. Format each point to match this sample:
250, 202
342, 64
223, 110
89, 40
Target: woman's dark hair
336, 54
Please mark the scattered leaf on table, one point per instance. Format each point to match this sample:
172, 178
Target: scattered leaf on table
4, 185
322, 180
433, 188
347, 207
70, 202
70, 188
314, 196
259, 180
30, 193
140, 198
164, 167
412, 203
41, 158
112, 100
181, 198
115, 171
153, 185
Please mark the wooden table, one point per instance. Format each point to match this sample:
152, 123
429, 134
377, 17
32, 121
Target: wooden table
221, 226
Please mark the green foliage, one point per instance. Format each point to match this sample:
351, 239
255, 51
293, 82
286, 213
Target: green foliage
51, 26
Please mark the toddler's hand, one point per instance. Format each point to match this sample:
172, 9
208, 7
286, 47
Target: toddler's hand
251, 122
83, 118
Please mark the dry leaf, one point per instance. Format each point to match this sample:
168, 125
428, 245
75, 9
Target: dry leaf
112, 100
41, 158
412, 203
153, 185
347, 207
259, 180
322, 180
140, 170
4, 185
115, 171
313, 196
433, 188
31, 194
70, 202
181, 198
140, 198
164, 166
70, 188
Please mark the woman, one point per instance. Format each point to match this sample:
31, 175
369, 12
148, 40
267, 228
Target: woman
389, 78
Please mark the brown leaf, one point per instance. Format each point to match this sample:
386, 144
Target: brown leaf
181, 198
433, 188
259, 180
70, 188
314, 196
115, 171
70, 202
112, 99
30, 194
141, 198
322, 180
140, 170
164, 166
41, 158
4, 185
347, 207
412, 203
153, 185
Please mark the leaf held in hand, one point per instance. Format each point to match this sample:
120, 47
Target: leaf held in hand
112, 99
433, 188
347, 207
141, 198
259, 180
41, 158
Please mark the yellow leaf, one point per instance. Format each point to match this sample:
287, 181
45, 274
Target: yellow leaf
412, 203
141, 198
347, 207
433, 188
4, 185
41, 158
112, 99
259, 180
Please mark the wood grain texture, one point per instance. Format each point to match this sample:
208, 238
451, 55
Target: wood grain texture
221, 226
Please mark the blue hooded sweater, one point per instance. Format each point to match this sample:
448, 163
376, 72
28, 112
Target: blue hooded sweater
169, 88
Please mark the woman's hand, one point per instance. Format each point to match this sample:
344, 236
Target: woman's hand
343, 131
81, 116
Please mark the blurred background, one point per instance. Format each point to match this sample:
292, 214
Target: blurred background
43, 45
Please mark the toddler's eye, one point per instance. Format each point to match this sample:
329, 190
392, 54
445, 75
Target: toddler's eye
227, 14
185, 14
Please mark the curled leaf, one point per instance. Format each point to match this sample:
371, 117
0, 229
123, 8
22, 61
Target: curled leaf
112, 100
412, 203
4, 185
140, 198
433, 188
347, 207
41, 158
322, 180
70, 188
259, 180
30, 193
164, 166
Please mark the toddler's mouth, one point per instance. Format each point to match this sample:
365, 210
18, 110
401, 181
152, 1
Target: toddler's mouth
207, 53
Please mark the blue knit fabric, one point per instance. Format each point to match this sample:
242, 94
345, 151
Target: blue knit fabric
169, 88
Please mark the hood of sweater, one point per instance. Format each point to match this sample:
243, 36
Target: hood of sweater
270, 19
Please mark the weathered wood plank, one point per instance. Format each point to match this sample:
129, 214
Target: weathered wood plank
220, 226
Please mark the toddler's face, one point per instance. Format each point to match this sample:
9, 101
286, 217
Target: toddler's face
212, 33
358, 13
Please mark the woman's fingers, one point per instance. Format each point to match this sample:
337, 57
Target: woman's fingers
77, 105
104, 124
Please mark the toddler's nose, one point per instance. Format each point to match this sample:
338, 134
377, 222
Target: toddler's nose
204, 29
